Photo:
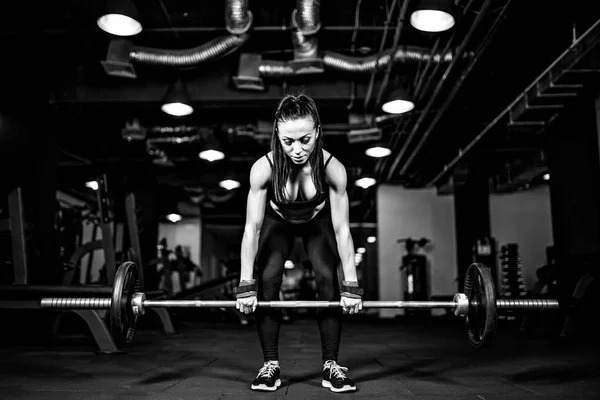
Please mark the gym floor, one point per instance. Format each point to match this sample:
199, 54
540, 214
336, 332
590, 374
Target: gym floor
389, 359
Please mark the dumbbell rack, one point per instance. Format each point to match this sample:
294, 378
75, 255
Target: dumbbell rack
512, 284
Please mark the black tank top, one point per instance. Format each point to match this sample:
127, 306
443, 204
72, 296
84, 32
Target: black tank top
302, 203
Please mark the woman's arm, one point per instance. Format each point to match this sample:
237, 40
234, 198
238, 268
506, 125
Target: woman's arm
255, 212
338, 197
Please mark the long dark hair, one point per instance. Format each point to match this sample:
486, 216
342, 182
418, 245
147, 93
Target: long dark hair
293, 107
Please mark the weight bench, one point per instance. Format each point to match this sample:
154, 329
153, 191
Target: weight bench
27, 297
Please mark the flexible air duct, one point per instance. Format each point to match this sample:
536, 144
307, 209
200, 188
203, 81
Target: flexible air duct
306, 16
304, 47
238, 20
373, 62
275, 69
358, 65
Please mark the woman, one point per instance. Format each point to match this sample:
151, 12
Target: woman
298, 189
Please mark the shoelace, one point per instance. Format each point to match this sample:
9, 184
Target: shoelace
268, 369
336, 370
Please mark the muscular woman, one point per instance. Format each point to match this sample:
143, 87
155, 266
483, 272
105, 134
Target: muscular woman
298, 189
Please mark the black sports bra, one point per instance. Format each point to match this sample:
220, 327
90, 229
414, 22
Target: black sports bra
300, 204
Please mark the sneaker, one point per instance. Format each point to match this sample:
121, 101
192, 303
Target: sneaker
334, 378
267, 378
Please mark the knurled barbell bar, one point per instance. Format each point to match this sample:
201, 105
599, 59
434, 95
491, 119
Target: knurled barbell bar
478, 305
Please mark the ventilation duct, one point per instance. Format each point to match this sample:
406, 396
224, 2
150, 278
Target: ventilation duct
238, 21
406, 54
117, 61
306, 21
359, 65
306, 16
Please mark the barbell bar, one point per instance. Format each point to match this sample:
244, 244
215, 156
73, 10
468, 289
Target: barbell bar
140, 303
478, 305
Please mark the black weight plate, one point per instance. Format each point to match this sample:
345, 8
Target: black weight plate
122, 318
481, 319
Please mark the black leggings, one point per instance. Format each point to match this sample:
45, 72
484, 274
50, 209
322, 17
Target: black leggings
275, 245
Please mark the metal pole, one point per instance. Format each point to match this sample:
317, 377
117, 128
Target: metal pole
438, 88
209, 29
457, 85
462, 152
379, 54
297, 304
134, 235
104, 211
105, 303
396, 43
19, 240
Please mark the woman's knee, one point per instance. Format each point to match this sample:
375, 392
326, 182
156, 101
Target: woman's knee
327, 287
269, 286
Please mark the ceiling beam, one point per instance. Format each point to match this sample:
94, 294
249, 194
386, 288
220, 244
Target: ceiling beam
209, 88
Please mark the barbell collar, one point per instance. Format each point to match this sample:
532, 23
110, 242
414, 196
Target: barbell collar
137, 303
461, 304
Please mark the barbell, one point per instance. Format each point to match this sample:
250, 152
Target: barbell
478, 304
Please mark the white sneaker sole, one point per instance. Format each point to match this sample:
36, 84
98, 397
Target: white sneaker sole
267, 388
346, 388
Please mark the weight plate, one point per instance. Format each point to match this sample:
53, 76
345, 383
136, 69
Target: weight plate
122, 318
481, 318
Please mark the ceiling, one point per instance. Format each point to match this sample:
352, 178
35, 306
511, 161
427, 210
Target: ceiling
496, 49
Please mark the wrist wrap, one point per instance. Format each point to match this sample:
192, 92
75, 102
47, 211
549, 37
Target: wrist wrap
351, 289
245, 289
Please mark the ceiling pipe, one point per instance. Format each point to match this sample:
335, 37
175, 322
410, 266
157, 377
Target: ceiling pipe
383, 85
576, 46
238, 21
380, 53
457, 85
438, 88
306, 17
418, 91
306, 20
361, 65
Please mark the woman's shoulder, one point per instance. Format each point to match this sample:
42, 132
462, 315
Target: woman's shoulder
265, 161
260, 172
330, 160
334, 170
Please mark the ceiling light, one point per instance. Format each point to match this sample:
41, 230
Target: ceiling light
92, 185
546, 177
120, 19
432, 16
397, 102
371, 239
177, 109
212, 155
174, 218
177, 100
229, 184
365, 182
378, 151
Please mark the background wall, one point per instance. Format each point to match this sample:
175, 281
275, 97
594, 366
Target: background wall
524, 218
187, 233
405, 213
220, 243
